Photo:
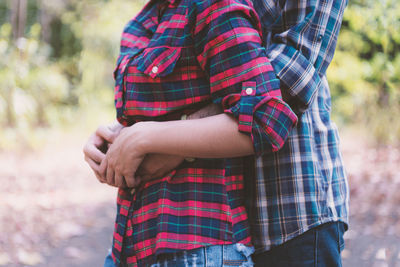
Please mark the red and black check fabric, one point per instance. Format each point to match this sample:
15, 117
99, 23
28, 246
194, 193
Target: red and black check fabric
177, 56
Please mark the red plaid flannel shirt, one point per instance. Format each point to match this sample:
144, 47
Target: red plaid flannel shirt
177, 56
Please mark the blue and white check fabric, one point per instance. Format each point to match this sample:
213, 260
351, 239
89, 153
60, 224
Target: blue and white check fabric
304, 184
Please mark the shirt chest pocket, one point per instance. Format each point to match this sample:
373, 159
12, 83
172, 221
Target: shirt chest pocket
171, 36
158, 61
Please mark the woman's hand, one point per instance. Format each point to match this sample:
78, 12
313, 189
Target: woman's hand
97, 145
212, 137
124, 157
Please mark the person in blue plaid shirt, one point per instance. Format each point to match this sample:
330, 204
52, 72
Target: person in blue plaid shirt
299, 204
297, 197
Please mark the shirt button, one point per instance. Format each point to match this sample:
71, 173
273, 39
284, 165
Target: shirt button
154, 69
319, 37
249, 91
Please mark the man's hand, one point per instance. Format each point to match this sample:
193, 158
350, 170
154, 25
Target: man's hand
157, 165
116, 170
97, 145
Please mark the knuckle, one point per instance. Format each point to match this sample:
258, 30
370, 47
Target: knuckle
101, 180
100, 129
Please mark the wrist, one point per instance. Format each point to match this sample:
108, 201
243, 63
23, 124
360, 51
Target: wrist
142, 136
115, 126
188, 159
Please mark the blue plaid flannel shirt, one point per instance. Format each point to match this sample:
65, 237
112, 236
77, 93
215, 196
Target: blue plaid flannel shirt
304, 184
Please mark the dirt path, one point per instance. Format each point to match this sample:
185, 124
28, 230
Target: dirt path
53, 212
85, 250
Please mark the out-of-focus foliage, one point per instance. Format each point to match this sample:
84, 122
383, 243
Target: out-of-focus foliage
365, 72
60, 70
32, 87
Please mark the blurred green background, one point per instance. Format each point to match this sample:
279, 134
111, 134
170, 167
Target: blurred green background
56, 85
56, 64
57, 59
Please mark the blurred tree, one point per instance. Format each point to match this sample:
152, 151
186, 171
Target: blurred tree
18, 17
58, 57
7, 76
364, 73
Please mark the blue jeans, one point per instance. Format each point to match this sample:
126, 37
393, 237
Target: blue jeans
318, 247
212, 256
108, 262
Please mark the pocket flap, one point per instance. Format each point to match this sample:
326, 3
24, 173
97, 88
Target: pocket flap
158, 61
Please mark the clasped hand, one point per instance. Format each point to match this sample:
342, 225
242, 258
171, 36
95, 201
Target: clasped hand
123, 159
119, 158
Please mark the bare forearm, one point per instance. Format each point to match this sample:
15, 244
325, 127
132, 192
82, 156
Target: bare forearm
212, 137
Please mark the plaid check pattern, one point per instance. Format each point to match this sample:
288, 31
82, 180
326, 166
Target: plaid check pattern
176, 57
304, 184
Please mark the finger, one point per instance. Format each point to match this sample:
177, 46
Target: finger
94, 153
110, 175
97, 140
115, 126
145, 169
92, 164
100, 178
95, 167
103, 168
119, 180
106, 133
130, 180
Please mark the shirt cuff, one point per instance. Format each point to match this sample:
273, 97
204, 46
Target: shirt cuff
265, 118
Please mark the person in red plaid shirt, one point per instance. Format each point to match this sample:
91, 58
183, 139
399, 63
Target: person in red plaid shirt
176, 58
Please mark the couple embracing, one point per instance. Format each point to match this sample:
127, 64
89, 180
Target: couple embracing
223, 151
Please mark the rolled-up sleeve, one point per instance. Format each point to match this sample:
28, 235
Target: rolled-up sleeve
228, 46
302, 44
